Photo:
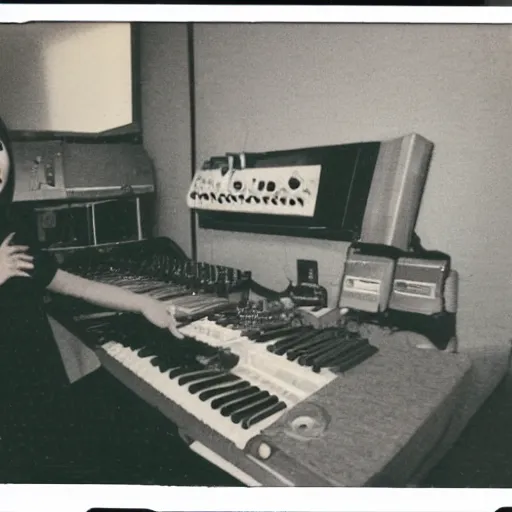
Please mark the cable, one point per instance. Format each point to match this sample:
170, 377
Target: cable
268, 293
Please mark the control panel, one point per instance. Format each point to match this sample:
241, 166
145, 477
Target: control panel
271, 190
39, 171
56, 170
366, 282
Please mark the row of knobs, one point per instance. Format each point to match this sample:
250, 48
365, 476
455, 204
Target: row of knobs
270, 186
231, 198
193, 274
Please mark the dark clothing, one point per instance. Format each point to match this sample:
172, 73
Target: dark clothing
91, 432
32, 375
31, 368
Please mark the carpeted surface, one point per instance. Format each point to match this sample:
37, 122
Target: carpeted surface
116, 438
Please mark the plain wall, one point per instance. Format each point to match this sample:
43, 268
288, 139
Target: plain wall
264, 87
72, 77
166, 121
275, 86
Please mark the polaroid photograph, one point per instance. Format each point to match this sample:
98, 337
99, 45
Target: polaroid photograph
255, 258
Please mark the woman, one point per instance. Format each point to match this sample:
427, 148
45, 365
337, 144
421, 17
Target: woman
32, 376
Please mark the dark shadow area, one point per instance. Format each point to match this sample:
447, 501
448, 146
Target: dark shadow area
481, 456
116, 438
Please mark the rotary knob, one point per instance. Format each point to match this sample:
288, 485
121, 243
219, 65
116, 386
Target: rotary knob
294, 183
264, 451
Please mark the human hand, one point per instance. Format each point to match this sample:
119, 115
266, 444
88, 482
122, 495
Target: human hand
162, 316
14, 262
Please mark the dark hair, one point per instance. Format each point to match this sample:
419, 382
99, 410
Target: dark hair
8, 191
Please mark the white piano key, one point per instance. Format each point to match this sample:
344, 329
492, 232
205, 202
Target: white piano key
290, 382
170, 388
299, 380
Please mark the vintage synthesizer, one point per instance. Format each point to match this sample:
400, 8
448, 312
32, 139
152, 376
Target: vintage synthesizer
151, 268
367, 191
262, 394
234, 375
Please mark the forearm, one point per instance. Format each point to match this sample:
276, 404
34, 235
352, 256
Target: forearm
103, 295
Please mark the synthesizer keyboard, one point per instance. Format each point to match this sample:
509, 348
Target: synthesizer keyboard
187, 303
151, 268
237, 383
329, 439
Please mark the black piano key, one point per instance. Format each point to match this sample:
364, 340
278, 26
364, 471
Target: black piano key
189, 379
310, 357
263, 337
312, 346
165, 361
150, 349
251, 333
231, 408
122, 339
325, 361
103, 340
352, 348
220, 379
355, 359
221, 401
261, 406
159, 363
128, 340
307, 359
280, 347
321, 346
185, 369
170, 367
270, 330
275, 325
254, 420
282, 340
136, 352
137, 344
159, 350
211, 393
252, 329
318, 336
329, 359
